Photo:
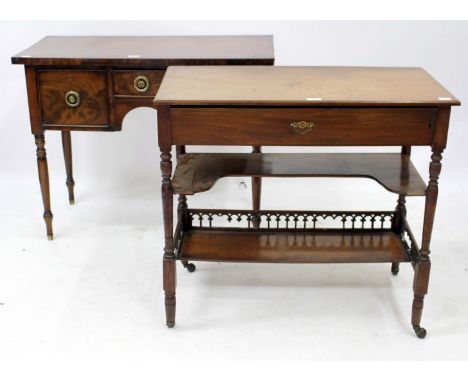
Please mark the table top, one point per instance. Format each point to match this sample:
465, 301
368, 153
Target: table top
301, 86
154, 50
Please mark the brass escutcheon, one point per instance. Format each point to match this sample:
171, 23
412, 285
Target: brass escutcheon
302, 127
141, 84
72, 98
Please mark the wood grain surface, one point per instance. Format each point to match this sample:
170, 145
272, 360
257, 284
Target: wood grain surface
123, 82
292, 247
153, 51
92, 89
199, 172
349, 86
254, 126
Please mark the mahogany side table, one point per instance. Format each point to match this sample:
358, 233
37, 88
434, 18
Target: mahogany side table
91, 83
300, 106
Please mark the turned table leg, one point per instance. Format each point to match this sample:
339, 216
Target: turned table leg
44, 182
256, 191
169, 262
67, 154
400, 213
182, 212
423, 262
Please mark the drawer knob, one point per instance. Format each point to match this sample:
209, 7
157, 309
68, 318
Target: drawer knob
141, 84
72, 98
302, 127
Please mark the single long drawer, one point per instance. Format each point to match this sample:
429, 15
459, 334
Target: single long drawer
285, 126
73, 98
140, 83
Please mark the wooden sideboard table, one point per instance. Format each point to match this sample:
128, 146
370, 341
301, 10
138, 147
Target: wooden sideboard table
91, 83
300, 106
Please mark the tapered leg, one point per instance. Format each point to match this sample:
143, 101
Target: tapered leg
169, 262
67, 154
169, 284
44, 182
423, 262
256, 191
420, 286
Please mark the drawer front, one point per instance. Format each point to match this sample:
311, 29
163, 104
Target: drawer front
302, 126
141, 83
73, 98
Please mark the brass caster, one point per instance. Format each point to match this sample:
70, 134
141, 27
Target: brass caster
420, 332
50, 237
170, 324
191, 267
72, 202
395, 268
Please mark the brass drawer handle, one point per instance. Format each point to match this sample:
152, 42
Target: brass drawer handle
72, 98
302, 127
141, 84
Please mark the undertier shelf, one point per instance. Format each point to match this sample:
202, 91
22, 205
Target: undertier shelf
294, 237
199, 172
293, 247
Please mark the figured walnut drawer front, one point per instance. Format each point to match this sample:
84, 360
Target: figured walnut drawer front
302, 126
140, 83
73, 98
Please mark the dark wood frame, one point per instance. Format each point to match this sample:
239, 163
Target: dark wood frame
419, 257
46, 57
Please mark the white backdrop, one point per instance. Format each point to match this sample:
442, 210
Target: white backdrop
95, 291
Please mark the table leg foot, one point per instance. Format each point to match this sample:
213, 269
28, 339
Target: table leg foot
71, 194
420, 332
189, 266
395, 268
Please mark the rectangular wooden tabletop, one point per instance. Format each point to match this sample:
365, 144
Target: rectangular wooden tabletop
154, 50
294, 85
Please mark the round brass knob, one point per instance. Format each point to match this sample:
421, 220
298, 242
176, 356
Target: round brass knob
141, 84
72, 98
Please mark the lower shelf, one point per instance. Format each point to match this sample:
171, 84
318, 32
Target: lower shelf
199, 172
322, 246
